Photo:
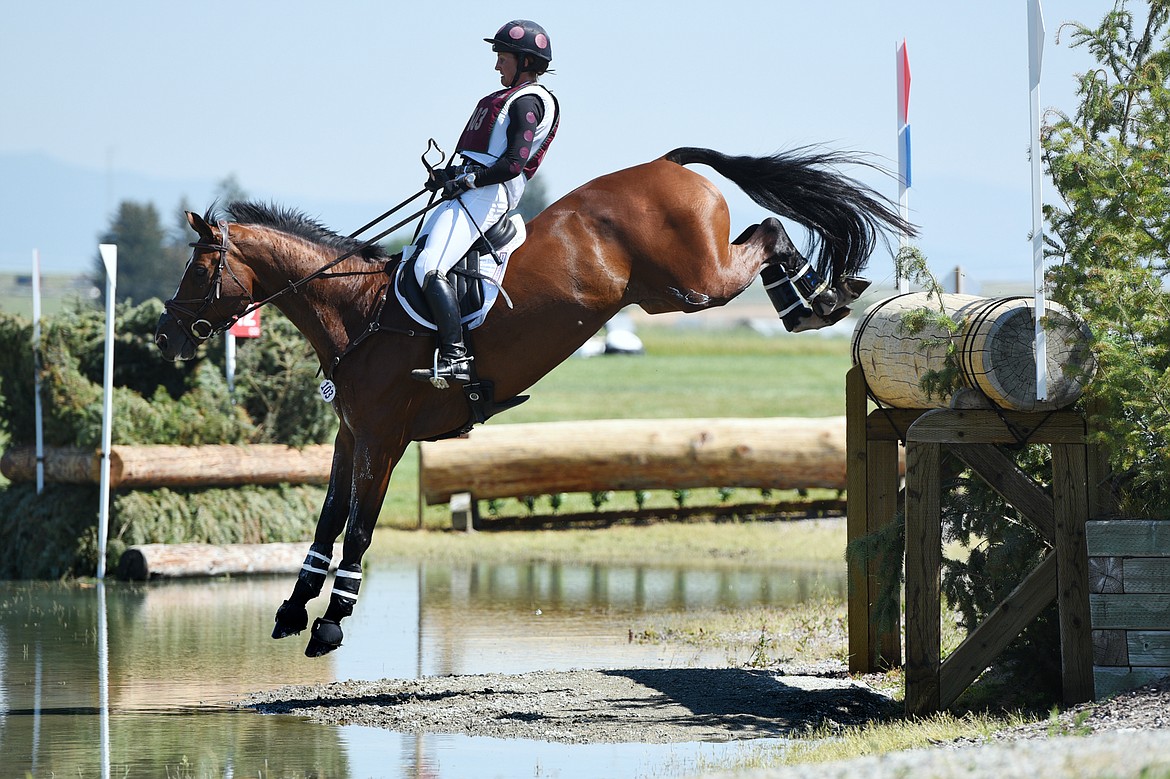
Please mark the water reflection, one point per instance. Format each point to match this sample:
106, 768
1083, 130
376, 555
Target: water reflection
179, 652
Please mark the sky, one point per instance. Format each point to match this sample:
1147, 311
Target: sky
326, 107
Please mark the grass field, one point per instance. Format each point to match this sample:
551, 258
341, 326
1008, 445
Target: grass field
685, 373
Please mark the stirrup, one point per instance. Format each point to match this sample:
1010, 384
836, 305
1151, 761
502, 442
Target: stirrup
449, 374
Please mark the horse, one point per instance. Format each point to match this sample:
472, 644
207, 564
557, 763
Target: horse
656, 235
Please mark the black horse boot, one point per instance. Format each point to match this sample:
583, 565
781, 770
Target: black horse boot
453, 363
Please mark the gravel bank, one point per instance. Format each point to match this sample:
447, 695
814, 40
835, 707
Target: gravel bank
1121, 737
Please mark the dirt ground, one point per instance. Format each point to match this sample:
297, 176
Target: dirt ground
653, 705
579, 707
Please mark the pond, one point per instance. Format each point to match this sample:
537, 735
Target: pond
137, 680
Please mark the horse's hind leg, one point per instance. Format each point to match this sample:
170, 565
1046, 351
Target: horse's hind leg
292, 617
802, 299
368, 491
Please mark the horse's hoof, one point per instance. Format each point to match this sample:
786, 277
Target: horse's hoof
325, 638
290, 620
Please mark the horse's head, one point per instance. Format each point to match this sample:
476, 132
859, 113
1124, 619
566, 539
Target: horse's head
215, 290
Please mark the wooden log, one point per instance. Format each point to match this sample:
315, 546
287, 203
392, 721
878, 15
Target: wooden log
177, 466
995, 351
630, 454
154, 561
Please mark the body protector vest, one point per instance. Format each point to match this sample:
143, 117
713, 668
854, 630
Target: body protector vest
484, 139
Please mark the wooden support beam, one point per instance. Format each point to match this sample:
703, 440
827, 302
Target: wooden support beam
1013, 485
923, 562
978, 426
997, 630
1071, 506
856, 524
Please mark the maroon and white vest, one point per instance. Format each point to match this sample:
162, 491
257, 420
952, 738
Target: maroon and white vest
485, 138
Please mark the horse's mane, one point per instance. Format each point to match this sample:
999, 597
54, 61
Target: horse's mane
293, 222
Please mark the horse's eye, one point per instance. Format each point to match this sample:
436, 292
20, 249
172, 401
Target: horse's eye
199, 270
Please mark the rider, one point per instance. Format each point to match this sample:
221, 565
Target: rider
501, 148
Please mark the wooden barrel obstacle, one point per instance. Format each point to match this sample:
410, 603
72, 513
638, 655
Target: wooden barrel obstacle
996, 376
995, 356
503, 461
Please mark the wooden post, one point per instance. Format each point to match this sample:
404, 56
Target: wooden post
923, 563
1071, 506
857, 524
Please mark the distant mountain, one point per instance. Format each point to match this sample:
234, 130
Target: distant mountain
62, 209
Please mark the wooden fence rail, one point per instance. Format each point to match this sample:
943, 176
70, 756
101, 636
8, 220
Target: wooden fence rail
500, 461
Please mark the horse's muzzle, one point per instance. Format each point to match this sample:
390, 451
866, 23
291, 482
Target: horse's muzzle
172, 340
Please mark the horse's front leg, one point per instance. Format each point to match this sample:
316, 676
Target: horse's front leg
374, 460
292, 617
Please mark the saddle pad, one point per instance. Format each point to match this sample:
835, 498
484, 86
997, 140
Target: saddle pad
490, 287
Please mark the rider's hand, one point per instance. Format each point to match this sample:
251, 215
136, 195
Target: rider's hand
458, 185
437, 180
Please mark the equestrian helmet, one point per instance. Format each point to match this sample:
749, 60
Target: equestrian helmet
523, 37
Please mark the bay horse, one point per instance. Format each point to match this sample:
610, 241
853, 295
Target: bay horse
656, 235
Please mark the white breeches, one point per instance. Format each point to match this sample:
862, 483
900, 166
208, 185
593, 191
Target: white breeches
456, 224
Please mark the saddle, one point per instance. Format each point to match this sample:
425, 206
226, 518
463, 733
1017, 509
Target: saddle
477, 278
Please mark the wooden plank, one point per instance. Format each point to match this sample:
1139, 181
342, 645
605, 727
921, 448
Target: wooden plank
1111, 681
923, 562
1147, 574
1128, 538
997, 630
1070, 503
856, 523
885, 641
977, 426
1150, 611
1003, 475
1105, 574
1148, 647
1110, 647
891, 424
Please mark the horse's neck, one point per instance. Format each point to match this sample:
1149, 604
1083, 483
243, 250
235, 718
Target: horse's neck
327, 310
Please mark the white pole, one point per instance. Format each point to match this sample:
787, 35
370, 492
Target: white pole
903, 77
1035, 64
229, 362
110, 258
104, 678
37, 413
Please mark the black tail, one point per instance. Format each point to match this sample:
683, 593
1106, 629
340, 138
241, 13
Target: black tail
845, 217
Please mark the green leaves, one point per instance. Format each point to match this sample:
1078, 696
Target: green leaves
1110, 164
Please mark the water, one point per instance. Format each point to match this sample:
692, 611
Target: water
137, 680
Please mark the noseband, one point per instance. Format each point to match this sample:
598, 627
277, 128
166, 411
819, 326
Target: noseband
192, 309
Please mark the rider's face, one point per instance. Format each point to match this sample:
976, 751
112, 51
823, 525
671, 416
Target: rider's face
506, 65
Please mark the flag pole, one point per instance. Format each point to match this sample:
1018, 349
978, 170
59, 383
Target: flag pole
903, 77
109, 254
1035, 64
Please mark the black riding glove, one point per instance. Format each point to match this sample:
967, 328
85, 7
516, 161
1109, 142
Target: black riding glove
455, 187
437, 180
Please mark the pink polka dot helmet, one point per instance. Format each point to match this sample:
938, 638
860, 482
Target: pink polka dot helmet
524, 39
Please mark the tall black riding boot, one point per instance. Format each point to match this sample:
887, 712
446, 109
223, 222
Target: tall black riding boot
452, 364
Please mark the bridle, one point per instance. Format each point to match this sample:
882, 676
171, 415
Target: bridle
201, 329
192, 309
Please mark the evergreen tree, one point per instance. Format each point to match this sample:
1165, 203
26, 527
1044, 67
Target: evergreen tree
149, 265
1110, 163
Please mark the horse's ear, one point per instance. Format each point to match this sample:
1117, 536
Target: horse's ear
199, 225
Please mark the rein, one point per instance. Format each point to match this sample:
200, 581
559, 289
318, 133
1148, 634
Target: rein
202, 330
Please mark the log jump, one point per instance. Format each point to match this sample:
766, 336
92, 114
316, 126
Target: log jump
142, 466
511, 461
994, 409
